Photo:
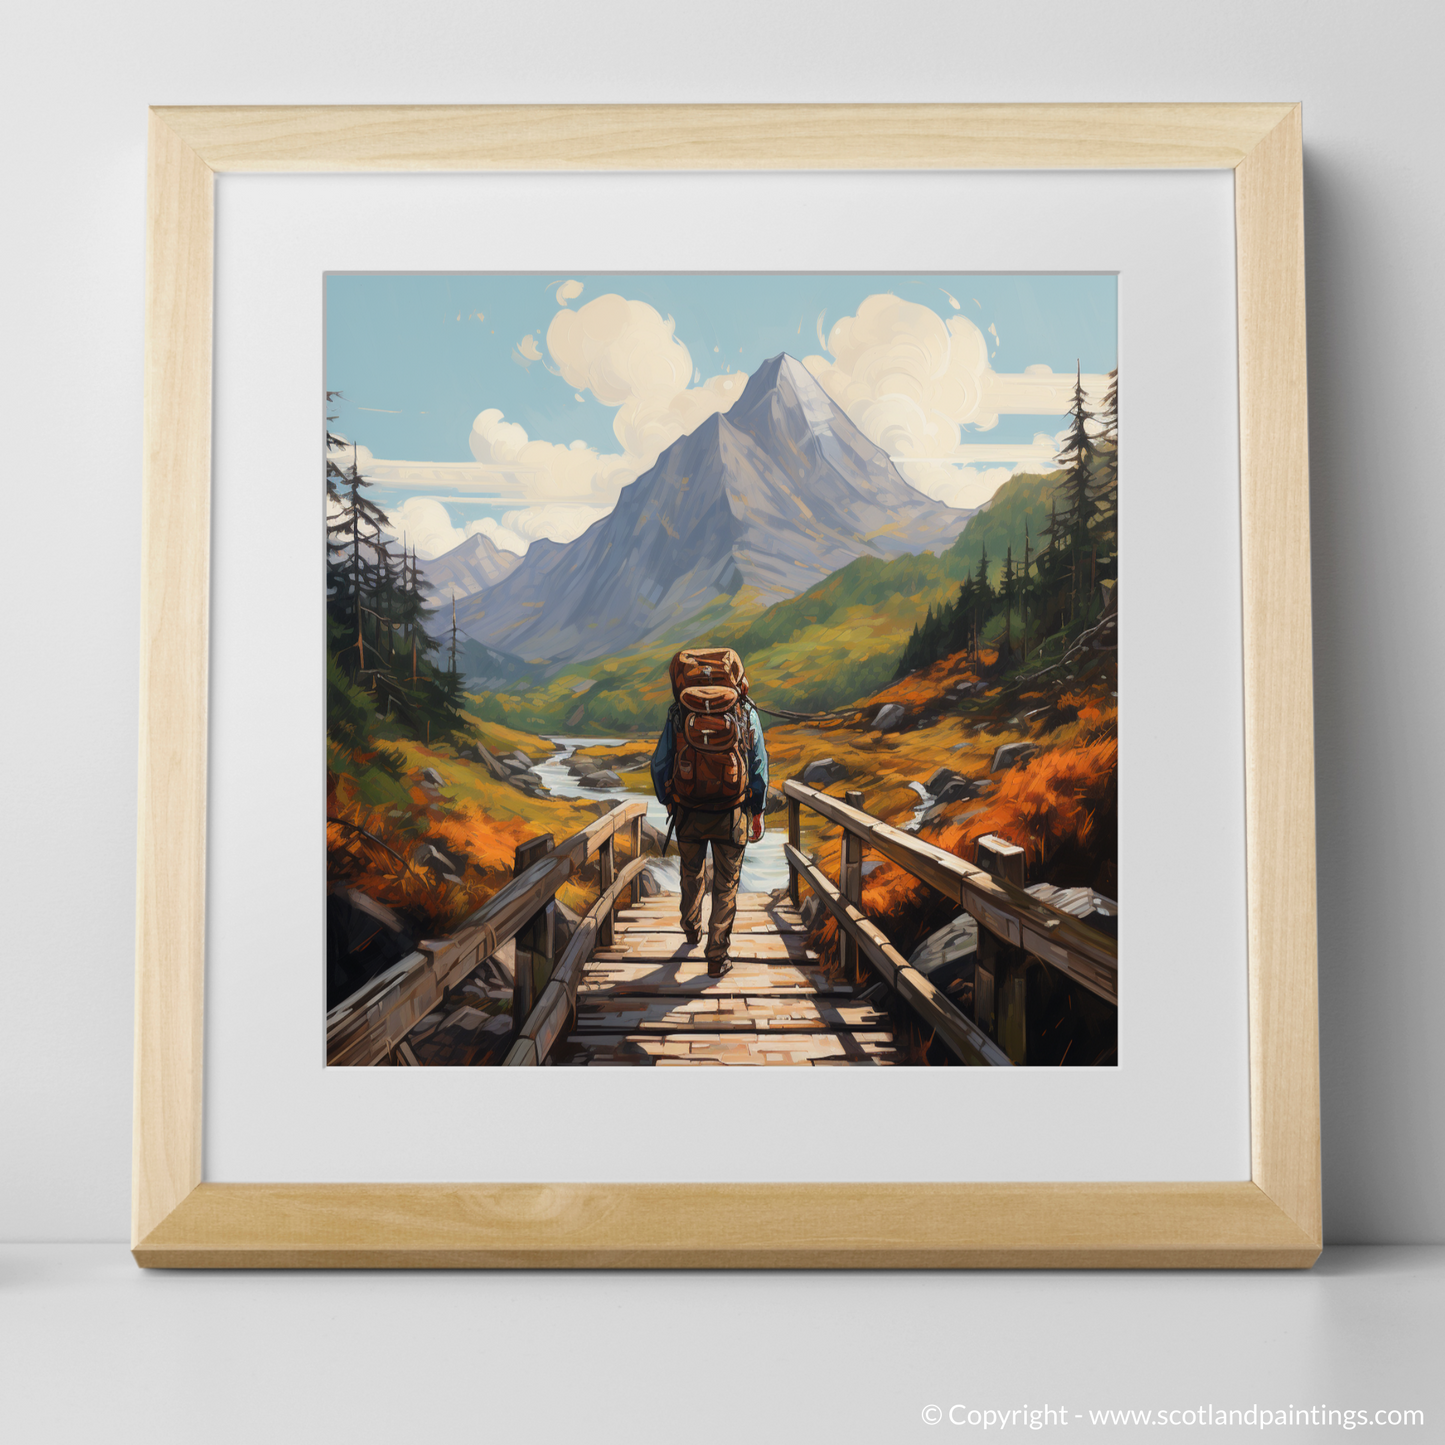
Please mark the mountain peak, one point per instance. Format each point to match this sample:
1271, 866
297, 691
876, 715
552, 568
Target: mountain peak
783, 374
777, 492
473, 564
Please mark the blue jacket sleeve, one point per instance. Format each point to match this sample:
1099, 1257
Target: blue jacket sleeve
662, 756
757, 766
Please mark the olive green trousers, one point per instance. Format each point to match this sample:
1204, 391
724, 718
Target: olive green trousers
727, 835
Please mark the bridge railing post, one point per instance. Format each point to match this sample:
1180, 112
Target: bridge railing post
850, 882
1008, 973
1012, 1005
635, 830
1003, 859
795, 837
607, 871
534, 938
985, 972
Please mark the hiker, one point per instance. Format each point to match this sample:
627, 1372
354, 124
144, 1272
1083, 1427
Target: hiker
710, 770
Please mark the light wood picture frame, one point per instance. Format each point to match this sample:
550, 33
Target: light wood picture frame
1271, 1220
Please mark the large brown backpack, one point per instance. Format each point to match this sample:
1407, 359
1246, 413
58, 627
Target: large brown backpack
710, 730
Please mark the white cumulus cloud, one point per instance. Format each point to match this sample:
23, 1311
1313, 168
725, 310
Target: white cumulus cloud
913, 382
423, 523
628, 356
561, 522
498, 534
545, 471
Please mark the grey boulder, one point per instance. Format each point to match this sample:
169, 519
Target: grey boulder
955, 791
947, 956
941, 779
822, 771
476, 753
602, 780
888, 717
1011, 754
435, 861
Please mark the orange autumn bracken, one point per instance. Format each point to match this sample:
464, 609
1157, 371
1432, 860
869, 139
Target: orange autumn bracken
1059, 807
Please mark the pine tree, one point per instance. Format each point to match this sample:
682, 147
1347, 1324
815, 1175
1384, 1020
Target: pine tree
982, 597
1006, 592
1106, 486
1078, 459
961, 632
355, 534
374, 594
1024, 593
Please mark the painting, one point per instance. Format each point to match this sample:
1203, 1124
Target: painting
721, 669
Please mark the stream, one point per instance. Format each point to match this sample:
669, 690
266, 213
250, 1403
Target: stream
764, 867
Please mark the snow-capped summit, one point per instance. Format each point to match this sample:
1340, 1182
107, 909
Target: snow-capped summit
756, 504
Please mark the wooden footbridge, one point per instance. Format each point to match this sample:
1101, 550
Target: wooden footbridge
628, 990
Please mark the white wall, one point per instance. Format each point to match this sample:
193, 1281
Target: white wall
78, 82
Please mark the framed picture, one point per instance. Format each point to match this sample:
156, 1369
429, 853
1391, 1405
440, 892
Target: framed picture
725, 665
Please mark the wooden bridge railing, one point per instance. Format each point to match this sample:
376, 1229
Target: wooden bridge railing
558, 1004
1005, 913
368, 1026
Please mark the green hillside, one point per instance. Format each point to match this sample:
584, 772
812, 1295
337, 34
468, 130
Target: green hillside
839, 640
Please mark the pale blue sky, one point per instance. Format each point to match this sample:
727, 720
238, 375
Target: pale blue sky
419, 356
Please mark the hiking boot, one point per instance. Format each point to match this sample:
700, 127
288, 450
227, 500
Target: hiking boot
716, 967
692, 935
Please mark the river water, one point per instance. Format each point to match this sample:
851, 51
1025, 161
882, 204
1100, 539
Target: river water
764, 867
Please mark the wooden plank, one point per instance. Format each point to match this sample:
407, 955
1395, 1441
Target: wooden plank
1100, 980
960, 1034
986, 970
1001, 858
546, 1022
749, 947
624, 1014
795, 837
689, 976
762, 1050
1012, 1005
534, 938
935, 866
996, 919
523, 1054
674, 925
850, 884
606, 872
634, 830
